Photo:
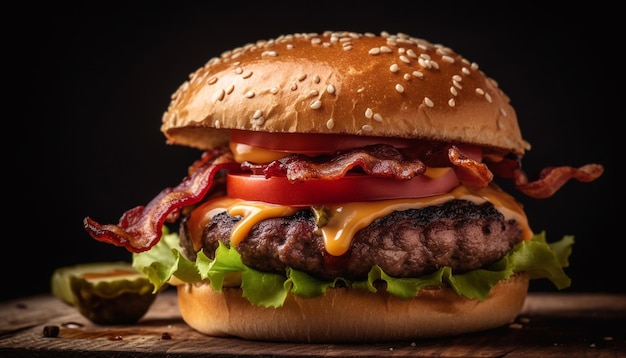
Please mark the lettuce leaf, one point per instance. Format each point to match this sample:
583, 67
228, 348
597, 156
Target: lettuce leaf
537, 257
165, 260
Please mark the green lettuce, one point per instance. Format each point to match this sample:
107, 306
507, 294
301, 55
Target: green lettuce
538, 258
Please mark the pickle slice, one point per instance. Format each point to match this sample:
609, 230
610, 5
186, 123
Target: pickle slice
106, 293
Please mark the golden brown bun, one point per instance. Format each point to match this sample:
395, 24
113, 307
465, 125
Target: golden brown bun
350, 315
343, 83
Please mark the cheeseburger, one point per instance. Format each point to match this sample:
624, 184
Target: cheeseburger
345, 192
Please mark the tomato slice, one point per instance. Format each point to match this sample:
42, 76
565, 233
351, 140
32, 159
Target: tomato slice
350, 188
312, 142
264, 147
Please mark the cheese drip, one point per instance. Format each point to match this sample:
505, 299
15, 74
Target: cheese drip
346, 220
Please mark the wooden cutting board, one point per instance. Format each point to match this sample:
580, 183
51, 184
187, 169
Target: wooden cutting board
550, 325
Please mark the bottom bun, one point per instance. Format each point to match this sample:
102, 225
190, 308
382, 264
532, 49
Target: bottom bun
344, 315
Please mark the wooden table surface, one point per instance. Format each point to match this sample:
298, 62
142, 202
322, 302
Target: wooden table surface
551, 325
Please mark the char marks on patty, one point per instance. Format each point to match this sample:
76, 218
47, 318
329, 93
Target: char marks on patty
459, 234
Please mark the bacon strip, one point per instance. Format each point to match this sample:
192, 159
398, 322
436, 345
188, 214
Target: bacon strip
551, 179
471, 173
376, 160
140, 228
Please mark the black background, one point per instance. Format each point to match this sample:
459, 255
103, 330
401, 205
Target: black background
88, 85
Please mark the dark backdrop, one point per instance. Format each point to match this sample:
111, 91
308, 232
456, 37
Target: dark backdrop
90, 83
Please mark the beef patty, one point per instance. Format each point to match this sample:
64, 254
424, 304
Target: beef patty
410, 243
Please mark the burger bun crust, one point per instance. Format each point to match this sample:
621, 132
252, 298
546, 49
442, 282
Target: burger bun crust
343, 83
345, 315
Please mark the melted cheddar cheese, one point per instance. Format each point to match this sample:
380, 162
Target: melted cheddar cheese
346, 219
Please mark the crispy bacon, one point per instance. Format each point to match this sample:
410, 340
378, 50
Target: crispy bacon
471, 173
140, 228
377, 160
551, 179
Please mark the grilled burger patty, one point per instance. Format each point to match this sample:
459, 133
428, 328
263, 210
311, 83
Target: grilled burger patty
409, 243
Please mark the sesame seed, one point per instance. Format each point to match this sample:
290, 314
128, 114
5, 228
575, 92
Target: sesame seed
374, 51
378, 118
230, 89
488, 97
330, 89
411, 53
257, 122
428, 102
219, 95
503, 112
480, 91
465, 70
399, 88
369, 113
418, 74
316, 79
270, 53
257, 114
301, 77
457, 78
316, 104
273, 90
249, 94
393, 68
447, 59
451, 102
457, 85
212, 80
195, 76
405, 59
217, 124
406, 76
454, 91
367, 128
185, 86
294, 86
247, 74
313, 93
330, 124
238, 70
385, 49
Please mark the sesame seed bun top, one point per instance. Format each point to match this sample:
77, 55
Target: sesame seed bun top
343, 83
